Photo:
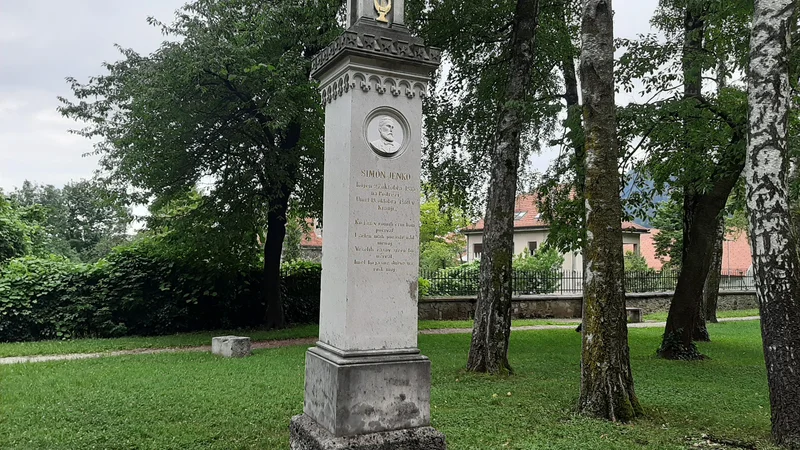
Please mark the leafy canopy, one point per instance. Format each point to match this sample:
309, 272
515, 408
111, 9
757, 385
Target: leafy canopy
226, 105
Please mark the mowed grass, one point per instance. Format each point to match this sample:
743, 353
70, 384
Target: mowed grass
55, 347
662, 316
62, 347
443, 324
198, 401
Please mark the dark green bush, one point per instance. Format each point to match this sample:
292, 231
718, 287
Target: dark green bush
301, 291
142, 290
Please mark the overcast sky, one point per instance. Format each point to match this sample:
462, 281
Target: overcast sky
44, 41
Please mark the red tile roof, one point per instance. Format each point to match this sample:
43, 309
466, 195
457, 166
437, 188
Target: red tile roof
526, 207
312, 236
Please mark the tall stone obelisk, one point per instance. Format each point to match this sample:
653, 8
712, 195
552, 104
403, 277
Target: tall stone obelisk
367, 386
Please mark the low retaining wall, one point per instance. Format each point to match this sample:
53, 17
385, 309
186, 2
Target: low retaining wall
566, 306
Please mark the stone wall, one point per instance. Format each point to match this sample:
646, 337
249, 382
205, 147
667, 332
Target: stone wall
566, 306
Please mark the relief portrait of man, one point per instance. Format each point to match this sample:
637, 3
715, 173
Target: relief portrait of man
386, 144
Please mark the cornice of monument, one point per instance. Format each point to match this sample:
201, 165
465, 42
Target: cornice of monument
372, 82
367, 38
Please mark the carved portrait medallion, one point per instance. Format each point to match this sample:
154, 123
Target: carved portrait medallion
386, 132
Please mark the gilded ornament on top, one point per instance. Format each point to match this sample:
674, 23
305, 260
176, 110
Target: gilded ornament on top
383, 7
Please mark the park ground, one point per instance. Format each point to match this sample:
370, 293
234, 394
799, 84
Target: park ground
194, 400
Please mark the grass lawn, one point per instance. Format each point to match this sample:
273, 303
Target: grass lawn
441, 324
198, 401
132, 342
55, 347
662, 316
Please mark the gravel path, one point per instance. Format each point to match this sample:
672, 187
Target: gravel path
303, 341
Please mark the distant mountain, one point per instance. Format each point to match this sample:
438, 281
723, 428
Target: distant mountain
638, 185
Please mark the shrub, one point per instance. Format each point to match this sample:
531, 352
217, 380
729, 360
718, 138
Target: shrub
301, 291
461, 280
538, 273
423, 287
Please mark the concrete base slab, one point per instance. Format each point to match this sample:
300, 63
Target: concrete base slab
352, 394
308, 435
231, 346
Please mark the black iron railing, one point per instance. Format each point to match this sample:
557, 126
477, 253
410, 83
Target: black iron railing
465, 281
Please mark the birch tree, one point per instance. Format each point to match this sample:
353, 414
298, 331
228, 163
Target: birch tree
606, 380
774, 246
488, 350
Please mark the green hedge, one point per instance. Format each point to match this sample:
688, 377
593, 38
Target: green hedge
140, 290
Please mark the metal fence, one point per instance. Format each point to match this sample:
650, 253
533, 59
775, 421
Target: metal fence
465, 282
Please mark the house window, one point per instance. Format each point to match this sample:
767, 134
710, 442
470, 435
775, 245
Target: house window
519, 215
477, 249
532, 245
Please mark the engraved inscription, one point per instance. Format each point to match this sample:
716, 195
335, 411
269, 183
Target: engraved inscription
384, 240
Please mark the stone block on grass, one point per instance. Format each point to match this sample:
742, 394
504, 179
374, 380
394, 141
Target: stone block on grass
231, 346
634, 315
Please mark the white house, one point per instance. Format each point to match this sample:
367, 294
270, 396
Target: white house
530, 232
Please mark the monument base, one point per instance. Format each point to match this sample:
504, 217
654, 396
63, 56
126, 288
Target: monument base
355, 393
308, 435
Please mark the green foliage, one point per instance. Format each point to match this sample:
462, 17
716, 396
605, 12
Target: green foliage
537, 273
187, 230
545, 259
227, 104
292, 241
424, 288
81, 221
439, 255
669, 240
462, 118
143, 288
693, 134
635, 262
13, 239
228, 96
441, 246
461, 280
301, 284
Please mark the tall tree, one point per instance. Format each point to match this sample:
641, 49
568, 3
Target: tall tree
711, 286
774, 245
488, 350
607, 389
228, 102
440, 245
695, 139
82, 219
465, 117
14, 239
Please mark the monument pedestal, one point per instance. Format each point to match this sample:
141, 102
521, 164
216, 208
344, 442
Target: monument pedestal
364, 392
308, 435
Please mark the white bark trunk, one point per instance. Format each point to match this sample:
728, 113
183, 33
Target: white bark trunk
775, 259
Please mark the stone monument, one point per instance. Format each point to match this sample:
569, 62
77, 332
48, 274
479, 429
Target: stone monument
366, 385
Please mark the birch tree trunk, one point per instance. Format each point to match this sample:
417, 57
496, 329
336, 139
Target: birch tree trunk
606, 380
488, 350
775, 258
